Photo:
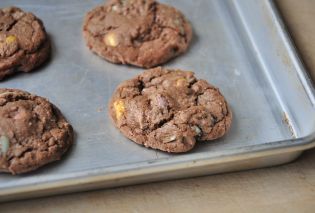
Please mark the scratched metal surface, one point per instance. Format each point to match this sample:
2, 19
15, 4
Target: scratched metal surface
239, 46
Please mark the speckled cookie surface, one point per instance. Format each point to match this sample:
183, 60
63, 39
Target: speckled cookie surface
169, 110
23, 41
33, 132
137, 32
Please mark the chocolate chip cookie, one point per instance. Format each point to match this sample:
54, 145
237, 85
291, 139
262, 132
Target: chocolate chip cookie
137, 32
23, 41
169, 110
33, 132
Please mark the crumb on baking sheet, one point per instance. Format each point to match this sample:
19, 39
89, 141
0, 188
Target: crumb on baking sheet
100, 109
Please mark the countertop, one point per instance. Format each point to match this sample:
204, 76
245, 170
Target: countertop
287, 188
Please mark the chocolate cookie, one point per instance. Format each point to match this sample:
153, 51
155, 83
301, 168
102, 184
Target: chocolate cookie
23, 41
137, 32
33, 132
169, 110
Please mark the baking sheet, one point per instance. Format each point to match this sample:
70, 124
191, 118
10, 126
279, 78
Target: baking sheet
239, 46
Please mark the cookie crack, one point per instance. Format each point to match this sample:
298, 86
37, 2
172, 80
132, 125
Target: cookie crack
216, 122
149, 32
163, 122
12, 25
15, 100
22, 155
202, 93
141, 86
160, 26
100, 35
33, 32
40, 47
173, 29
167, 27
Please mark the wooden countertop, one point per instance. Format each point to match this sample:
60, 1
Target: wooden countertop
288, 188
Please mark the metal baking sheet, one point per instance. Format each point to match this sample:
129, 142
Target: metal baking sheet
239, 46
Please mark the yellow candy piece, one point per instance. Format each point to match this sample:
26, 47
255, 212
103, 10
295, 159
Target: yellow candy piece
119, 107
10, 39
111, 39
181, 82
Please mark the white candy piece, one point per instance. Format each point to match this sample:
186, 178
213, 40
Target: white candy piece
5, 144
170, 139
197, 130
115, 8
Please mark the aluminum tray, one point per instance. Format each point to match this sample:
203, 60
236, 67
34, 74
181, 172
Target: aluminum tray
240, 46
